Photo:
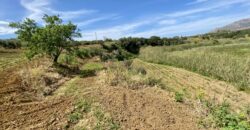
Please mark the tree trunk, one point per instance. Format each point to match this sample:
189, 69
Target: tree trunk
55, 59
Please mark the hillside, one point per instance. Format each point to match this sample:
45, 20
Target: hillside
238, 25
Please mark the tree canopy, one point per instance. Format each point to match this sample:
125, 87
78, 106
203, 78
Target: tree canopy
51, 39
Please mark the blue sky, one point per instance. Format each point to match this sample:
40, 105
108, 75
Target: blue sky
123, 18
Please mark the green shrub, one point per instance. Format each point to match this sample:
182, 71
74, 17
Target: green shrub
67, 59
179, 97
88, 52
114, 51
81, 107
153, 81
222, 117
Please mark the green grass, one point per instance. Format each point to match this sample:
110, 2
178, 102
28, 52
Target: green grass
229, 62
221, 116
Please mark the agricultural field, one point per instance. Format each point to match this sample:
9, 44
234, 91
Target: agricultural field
123, 94
10, 57
227, 62
49, 80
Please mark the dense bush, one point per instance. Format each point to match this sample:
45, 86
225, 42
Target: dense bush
88, 52
10, 44
131, 45
115, 51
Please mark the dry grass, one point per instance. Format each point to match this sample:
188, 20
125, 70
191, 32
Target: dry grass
230, 63
9, 58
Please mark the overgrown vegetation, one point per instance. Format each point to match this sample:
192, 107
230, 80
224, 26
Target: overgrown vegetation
125, 75
84, 109
225, 62
220, 116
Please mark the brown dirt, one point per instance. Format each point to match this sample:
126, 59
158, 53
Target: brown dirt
145, 108
23, 106
49, 114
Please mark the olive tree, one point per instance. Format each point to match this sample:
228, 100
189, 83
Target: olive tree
51, 38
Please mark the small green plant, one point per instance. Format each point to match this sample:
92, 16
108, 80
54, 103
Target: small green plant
90, 69
179, 97
141, 70
220, 116
104, 122
67, 59
153, 81
81, 107
74, 117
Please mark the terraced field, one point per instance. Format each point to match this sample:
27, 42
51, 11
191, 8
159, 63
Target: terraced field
196, 85
229, 62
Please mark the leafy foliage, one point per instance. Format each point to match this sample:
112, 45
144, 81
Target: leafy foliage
51, 39
115, 51
222, 117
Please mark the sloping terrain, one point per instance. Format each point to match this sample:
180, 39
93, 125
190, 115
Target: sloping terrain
23, 104
197, 85
131, 106
135, 109
238, 25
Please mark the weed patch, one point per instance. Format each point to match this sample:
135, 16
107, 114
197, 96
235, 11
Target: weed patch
220, 116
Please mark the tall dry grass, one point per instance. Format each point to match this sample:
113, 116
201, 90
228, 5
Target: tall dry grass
229, 63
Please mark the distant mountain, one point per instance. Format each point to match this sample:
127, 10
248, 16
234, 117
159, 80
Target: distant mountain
238, 25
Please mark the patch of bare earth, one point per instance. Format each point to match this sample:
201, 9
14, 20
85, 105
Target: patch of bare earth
145, 108
23, 100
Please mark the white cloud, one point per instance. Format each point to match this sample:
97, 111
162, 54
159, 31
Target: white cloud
195, 26
37, 8
4, 23
4, 30
218, 4
167, 22
113, 32
197, 2
91, 21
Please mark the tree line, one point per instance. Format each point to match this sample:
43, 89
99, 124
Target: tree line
10, 44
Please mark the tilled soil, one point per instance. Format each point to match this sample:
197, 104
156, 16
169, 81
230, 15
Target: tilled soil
147, 109
49, 114
22, 108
